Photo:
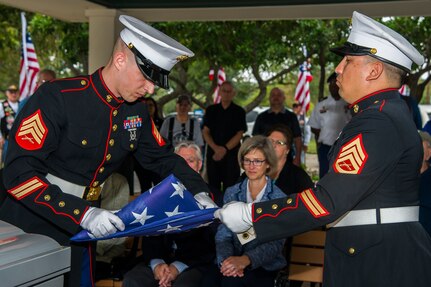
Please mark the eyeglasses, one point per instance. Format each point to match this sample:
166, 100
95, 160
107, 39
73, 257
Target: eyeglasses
278, 142
255, 162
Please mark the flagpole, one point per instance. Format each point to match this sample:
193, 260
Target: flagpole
24, 41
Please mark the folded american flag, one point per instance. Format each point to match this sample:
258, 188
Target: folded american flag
166, 208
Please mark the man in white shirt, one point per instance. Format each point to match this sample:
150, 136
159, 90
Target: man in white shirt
327, 120
8, 111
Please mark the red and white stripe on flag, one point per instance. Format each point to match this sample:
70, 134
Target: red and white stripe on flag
302, 92
29, 67
221, 77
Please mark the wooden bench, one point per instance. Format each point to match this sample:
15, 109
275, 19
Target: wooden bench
306, 257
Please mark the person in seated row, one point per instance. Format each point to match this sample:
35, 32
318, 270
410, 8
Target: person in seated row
177, 260
251, 264
192, 153
288, 177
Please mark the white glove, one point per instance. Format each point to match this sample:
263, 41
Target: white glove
236, 216
100, 222
205, 200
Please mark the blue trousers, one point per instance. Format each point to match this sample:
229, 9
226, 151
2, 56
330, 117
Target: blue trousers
322, 154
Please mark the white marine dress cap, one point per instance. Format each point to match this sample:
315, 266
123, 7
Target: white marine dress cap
155, 52
369, 37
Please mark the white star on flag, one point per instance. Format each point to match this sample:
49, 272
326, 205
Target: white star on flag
170, 228
179, 189
175, 212
141, 217
157, 212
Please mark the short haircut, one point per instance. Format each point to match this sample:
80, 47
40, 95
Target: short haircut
48, 72
263, 144
283, 129
277, 89
227, 82
189, 144
394, 74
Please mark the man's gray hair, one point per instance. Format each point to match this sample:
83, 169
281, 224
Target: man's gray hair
189, 144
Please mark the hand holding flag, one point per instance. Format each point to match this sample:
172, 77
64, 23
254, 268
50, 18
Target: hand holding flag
166, 208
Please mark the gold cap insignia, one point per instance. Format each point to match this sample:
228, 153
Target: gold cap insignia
373, 51
182, 58
130, 45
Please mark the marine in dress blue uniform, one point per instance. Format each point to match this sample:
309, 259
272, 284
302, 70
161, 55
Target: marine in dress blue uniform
369, 198
73, 133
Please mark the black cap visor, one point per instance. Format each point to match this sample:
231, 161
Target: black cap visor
356, 50
351, 49
151, 71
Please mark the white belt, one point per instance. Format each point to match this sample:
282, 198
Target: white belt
369, 216
75, 189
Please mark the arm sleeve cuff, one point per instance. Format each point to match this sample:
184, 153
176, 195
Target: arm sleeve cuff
155, 262
180, 266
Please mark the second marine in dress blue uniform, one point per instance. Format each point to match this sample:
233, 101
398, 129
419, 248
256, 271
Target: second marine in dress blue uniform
369, 198
374, 166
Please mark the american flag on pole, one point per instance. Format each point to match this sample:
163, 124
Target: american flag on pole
302, 92
29, 65
221, 77
166, 208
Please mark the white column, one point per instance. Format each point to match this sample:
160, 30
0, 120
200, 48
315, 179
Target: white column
104, 29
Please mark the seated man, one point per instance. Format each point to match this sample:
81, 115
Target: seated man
175, 259
193, 156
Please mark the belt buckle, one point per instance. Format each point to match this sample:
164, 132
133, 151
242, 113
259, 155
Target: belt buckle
93, 193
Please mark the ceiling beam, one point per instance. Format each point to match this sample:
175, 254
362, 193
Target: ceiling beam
74, 11
328, 11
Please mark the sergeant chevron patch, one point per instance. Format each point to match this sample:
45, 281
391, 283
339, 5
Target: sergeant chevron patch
159, 139
352, 157
32, 132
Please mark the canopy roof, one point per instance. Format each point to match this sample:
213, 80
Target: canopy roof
214, 10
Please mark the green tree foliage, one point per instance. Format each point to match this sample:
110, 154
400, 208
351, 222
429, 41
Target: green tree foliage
60, 46
269, 52
10, 41
418, 31
256, 55
63, 46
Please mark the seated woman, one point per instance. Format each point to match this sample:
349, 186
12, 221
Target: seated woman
252, 264
288, 177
